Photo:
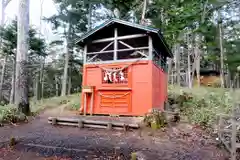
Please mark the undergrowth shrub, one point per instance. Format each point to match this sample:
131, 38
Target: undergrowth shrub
201, 106
155, 120
11, 114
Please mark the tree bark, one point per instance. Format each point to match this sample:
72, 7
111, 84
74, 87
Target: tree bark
42, 77
189, 72
221, 50
37, 82
69, 85
56, 85
65, 74
144, 11
12, 94
21, 85
2, 75
3, 7
169, 70
177, 65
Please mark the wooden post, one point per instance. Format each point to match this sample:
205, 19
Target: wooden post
150, 46
109, 126
233, 139
91, 105
115, 44
80, 123
85, 104
54, 121
220, 122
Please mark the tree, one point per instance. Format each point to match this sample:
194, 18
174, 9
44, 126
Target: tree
37, 47
72, 17
4, 4
21, 84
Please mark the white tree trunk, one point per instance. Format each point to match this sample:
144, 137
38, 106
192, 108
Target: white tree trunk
42, 77
65, 74
21, 85
12, 94
177, 64
66, 65
144, 11
189, 70
2, 75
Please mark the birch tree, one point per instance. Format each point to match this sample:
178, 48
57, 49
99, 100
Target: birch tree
21, 85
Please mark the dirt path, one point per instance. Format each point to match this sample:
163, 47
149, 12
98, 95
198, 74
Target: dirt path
38, 139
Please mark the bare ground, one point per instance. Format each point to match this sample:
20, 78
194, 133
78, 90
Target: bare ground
39, 140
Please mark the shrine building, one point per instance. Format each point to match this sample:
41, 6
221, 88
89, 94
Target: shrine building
124, 70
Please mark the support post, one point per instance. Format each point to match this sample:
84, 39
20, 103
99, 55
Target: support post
91, 105
85, 104
150, 46
115, 44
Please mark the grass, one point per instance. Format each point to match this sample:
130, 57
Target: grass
201, 105
9, 113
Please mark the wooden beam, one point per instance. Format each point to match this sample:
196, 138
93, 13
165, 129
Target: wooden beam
120, 38
120, 50
121, 60
106, 47
100, 51
150, 45
115, 44
125, 44
92, 58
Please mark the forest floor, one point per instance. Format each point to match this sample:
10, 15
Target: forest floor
39, 140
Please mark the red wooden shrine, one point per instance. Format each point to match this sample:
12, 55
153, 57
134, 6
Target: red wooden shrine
124, 69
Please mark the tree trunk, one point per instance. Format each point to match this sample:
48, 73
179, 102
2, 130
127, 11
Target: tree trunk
177, 65
2, 75
69, 85
144, 11
21, 85
36, 91
56, 85
3, 6
12, 94
42, 77
221, 50
65, 74
169, 69
189, 72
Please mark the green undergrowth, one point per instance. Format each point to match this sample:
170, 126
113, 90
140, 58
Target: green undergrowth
9, 113
75, 103
202, 105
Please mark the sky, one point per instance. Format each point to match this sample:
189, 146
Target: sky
35, 13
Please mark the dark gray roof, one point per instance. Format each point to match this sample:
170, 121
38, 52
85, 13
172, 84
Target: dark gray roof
134, 25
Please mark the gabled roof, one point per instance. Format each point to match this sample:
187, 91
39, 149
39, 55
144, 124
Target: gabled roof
154, 31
